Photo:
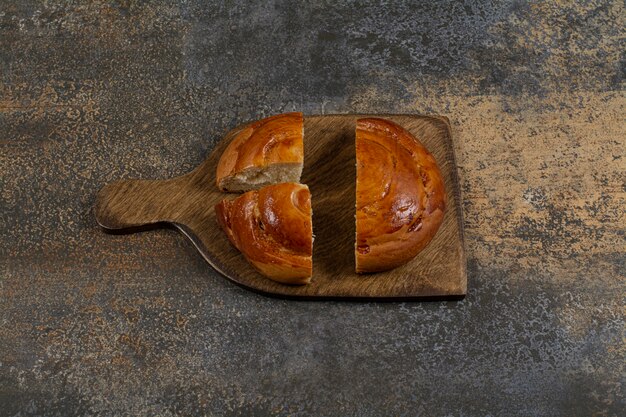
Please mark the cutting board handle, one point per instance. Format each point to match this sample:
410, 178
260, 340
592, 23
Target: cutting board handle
131, 204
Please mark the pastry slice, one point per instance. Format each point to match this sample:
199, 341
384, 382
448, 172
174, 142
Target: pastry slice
272, 228
400, 196
265, 152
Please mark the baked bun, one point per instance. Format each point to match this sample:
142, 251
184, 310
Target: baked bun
272, 228
268, 151
400, 196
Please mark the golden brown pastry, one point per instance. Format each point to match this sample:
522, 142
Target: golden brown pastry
272, 228
400, 196
268, 151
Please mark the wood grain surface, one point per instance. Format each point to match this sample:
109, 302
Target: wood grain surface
188, 201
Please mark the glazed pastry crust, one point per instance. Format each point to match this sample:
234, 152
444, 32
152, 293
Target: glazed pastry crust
400, 196
272, 228
264, 152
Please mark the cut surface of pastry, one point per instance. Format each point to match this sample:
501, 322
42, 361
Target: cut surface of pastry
265, 152
400, 196
272, 228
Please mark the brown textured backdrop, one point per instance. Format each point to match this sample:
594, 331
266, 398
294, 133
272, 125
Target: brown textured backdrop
94, 324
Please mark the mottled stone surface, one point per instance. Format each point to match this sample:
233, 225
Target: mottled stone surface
95, 324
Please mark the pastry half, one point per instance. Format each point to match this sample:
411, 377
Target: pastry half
400, 196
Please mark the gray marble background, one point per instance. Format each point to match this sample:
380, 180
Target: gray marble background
95, 324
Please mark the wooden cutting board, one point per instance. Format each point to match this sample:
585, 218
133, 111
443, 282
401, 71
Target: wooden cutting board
186, 202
